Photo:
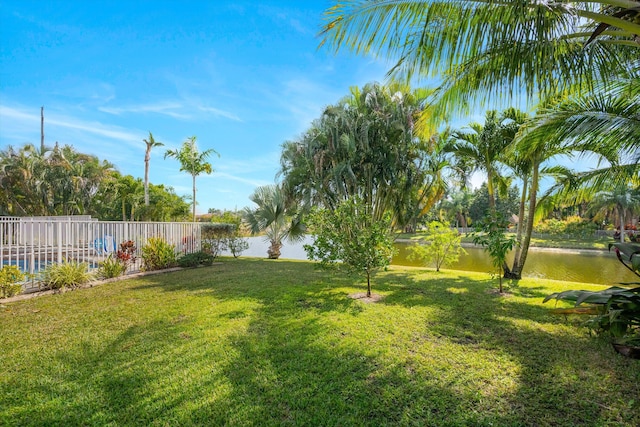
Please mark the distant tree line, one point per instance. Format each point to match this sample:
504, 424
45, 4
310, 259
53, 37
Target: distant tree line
60, 180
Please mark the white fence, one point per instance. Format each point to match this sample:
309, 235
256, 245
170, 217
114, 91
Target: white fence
32, 243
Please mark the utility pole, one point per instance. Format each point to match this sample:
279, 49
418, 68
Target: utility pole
42, 129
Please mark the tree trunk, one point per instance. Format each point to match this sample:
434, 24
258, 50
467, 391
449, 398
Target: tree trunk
147, 157
274, 250
621, 215
529, 225
368, 284
492, 200
516, 270
194, 198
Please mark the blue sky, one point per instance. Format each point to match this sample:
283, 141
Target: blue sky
243, 76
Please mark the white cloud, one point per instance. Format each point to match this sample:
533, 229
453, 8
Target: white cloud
20, 117
253, 182
183, 109
167, 108
220, 113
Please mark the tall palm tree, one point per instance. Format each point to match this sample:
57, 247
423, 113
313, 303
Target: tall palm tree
604, 120
150, 143
275, 216
484, 148
193, 162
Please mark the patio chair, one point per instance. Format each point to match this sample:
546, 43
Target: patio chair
104, 245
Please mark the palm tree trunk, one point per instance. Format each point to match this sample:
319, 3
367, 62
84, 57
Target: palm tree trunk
147, 157
194, 198
529, 227
492, 200
621, 215
516, 270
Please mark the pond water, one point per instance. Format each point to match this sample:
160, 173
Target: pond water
573, 266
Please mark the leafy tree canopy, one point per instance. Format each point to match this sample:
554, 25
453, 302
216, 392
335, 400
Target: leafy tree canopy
349, 237
365, 147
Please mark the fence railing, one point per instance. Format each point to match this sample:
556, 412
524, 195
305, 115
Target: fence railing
32, 243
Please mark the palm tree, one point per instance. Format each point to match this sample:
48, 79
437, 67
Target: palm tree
18, 169
56, 181
622, 200
604, 121
365, 146
193, 162
486, 50
150, 143
130, 194
458, 204
274, 216
483, 148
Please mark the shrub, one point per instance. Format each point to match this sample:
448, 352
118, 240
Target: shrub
573, 226
195, 259
578, 227
550, 226
67, 274
236, 245
116, 266
111, 267
157, 254
214, 237
10, 275
127, 253
490, 234
442, 245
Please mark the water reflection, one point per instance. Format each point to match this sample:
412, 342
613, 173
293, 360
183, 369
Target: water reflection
586, 266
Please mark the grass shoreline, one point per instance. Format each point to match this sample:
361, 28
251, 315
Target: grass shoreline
539, 242
260, 342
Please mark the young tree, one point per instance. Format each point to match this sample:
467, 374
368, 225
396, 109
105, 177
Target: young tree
490, 234
193, 162
150, 143
348, 236
441, 246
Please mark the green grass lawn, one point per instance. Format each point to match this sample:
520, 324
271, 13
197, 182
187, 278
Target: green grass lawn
258, 342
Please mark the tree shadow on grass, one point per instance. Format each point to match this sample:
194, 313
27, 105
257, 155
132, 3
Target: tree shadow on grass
112, 384
297, 351
563, 371
292, 374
